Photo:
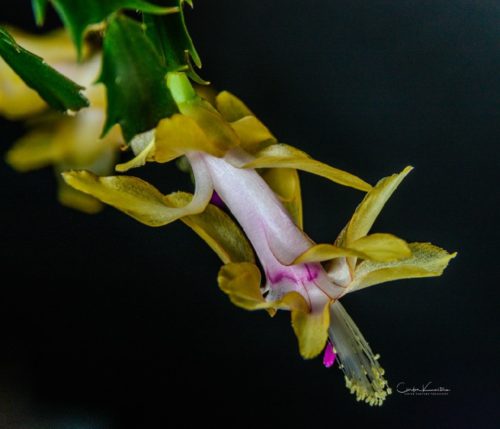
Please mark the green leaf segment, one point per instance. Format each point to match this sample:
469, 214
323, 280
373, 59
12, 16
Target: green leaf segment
134, 76
78, 15
56, 89
171, 37
136, 57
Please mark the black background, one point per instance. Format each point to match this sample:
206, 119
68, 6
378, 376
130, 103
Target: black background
131, 329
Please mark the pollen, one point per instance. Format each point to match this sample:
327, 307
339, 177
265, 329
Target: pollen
364, 377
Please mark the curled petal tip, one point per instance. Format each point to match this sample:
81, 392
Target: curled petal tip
311, 329
68, 175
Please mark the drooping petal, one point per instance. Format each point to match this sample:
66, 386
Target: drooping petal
67, 140
34, 150
217, 229
427, 261
285, 183
284, 156
241, 282
368, 210
70, 197
78, 136
231, 107
364, 376
71, 140
138, 198
375, 247
129, 194
311, 329
17, 100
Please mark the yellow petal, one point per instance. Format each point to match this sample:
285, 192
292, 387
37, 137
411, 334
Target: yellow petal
179, 134
241, 282
17, 100
217, 229
135, 197
427, 261
285, 183
73, 140
145, 155
69, 196
324, 252
78, 136
311, 329
253, 134
375, 247
284, 156
231, 107
77, 200
368, 210
291, 301
173, 137
381, 247
34, 150
219, 133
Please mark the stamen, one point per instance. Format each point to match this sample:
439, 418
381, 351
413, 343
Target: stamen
364, 376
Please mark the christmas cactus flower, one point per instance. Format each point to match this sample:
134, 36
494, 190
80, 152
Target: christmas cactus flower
358, 260
225, 145
63, 141
297, 281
